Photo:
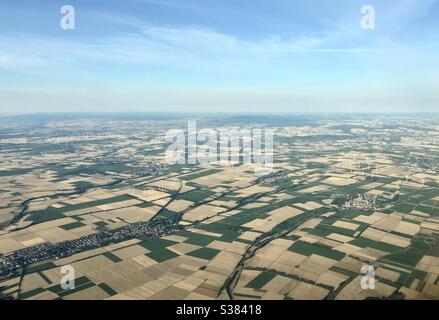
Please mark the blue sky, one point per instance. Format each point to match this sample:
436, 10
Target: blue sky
223, 55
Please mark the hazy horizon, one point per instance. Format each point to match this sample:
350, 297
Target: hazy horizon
198, 56
274, 113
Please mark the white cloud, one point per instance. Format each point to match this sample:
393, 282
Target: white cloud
190, 50
176, 4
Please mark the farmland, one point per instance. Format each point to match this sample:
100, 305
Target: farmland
340, 198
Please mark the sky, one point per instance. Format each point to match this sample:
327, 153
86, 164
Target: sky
219, 56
